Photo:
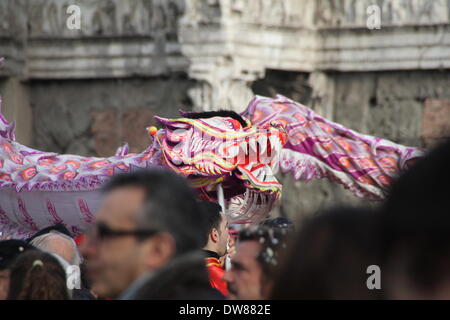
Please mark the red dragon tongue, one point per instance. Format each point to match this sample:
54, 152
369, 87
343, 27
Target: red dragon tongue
283, 136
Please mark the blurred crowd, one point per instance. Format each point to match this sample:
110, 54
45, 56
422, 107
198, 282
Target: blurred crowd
152, 239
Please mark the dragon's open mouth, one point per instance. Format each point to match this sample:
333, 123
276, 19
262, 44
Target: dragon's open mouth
245, 201
243, 161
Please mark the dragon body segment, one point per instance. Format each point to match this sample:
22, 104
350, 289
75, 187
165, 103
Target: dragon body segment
39, 188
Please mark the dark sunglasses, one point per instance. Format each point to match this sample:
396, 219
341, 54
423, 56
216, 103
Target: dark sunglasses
103, 231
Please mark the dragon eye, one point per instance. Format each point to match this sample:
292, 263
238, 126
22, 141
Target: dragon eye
234, 124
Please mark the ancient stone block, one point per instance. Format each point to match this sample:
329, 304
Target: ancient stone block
15, 104
435, 121
351, 101
134, 122
106, 129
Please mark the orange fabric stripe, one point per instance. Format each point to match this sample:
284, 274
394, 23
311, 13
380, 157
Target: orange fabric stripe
212, 262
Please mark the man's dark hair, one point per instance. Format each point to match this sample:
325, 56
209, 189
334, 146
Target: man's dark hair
213, 216
60, 227
37, 275
279, 223
10, 250
170, 206
415, 221
220, 113
273, 242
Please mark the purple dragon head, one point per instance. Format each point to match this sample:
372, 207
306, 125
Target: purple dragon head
223, 147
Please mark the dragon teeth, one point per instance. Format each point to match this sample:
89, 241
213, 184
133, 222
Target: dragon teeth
244, 146
233, 151
252, 145
275, 143
262, 141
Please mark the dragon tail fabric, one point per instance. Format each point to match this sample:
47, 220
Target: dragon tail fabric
319, 148
38, 189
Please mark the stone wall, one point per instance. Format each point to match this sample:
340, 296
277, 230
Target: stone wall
231, 43
95, 117
88, 90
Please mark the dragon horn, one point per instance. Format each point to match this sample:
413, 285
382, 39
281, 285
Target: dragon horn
162, 120
183, 113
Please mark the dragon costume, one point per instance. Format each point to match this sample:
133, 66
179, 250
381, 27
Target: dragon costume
238, 153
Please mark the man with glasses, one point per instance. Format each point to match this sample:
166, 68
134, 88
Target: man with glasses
147, 239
